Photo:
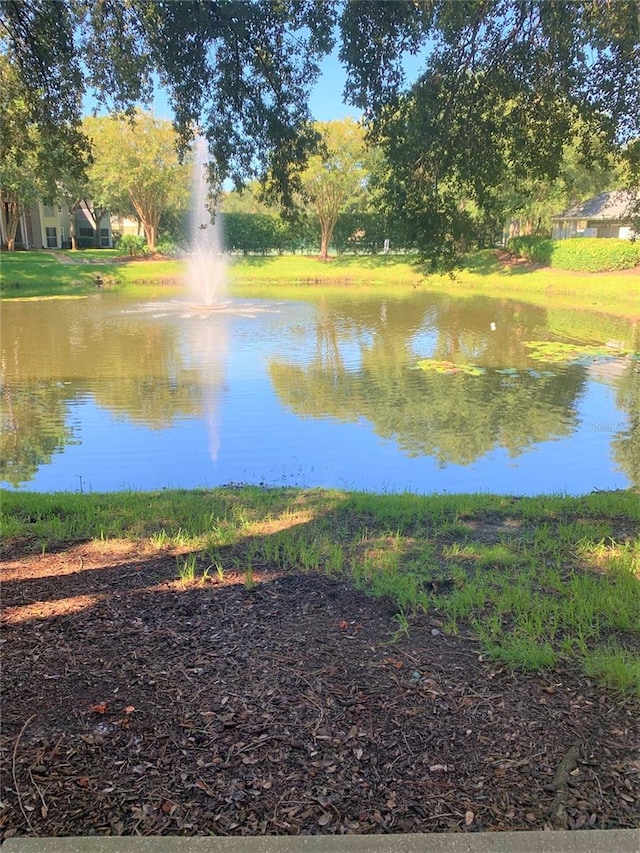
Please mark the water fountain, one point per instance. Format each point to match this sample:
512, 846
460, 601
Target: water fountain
207, 269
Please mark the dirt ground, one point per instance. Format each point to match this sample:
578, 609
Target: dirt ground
133, 704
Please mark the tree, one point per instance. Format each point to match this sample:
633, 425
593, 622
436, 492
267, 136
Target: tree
135, 163
240, 71
37, 36
531, 203
72, 190
336, 175
20, 141
503, 85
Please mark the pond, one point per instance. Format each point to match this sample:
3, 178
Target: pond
428, 393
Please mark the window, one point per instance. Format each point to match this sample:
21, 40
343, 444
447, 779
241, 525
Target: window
104, 237
85, 232
52, 238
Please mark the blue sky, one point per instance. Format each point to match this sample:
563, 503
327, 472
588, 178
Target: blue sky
326, 96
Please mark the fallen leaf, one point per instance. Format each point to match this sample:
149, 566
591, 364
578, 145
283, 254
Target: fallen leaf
468, 818
344, 625
100, 708
324, 819
129, 709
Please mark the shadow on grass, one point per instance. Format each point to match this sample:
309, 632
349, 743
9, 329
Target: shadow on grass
276, 702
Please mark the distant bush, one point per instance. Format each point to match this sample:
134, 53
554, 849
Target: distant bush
250, 232
132, 244
582, 254
537, 250
595, 254
169, 248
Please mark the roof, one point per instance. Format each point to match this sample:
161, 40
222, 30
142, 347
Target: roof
608, 207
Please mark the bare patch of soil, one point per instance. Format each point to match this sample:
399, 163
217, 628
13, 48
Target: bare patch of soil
134, 704
509, 261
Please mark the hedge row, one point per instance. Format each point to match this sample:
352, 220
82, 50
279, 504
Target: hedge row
593, 254
582, 254
259, 233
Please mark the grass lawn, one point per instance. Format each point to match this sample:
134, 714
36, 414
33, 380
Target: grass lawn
615, 293
535, 580
42, 274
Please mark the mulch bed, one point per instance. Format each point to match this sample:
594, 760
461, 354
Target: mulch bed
133, 704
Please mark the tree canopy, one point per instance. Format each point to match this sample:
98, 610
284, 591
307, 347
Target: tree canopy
336, 175
504, 85
135, 164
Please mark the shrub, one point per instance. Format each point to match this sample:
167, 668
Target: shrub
595, 254
169, 248
537, 250
133, 244
582, 254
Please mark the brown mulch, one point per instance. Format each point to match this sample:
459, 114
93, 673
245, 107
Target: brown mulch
511, 261
133, 704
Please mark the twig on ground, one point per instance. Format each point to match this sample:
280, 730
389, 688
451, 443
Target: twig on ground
15, 778
558, 810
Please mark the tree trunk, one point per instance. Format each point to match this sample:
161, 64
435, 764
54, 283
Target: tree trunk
98, 215
14, 212
150, 232
150, 218
325, 239
72, 225
150, 226
327, 225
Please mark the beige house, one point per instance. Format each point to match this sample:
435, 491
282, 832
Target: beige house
47, 225
606, 215
121, 225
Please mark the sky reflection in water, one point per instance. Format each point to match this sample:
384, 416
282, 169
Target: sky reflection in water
99, 394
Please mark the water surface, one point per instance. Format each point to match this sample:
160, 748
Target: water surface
429, 393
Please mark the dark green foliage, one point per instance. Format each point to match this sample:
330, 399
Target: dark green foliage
262, 233
538, 250
505, 85
258, 233
367, 231
240, 71
175, 226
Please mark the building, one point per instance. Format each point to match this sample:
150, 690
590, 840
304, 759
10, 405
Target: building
606, 215
47, 225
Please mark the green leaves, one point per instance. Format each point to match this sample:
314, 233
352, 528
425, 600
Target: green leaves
135, 164
505, 87
336, 176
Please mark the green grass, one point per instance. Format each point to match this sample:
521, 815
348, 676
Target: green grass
41, 274
26, 275
536, 582
186, 565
